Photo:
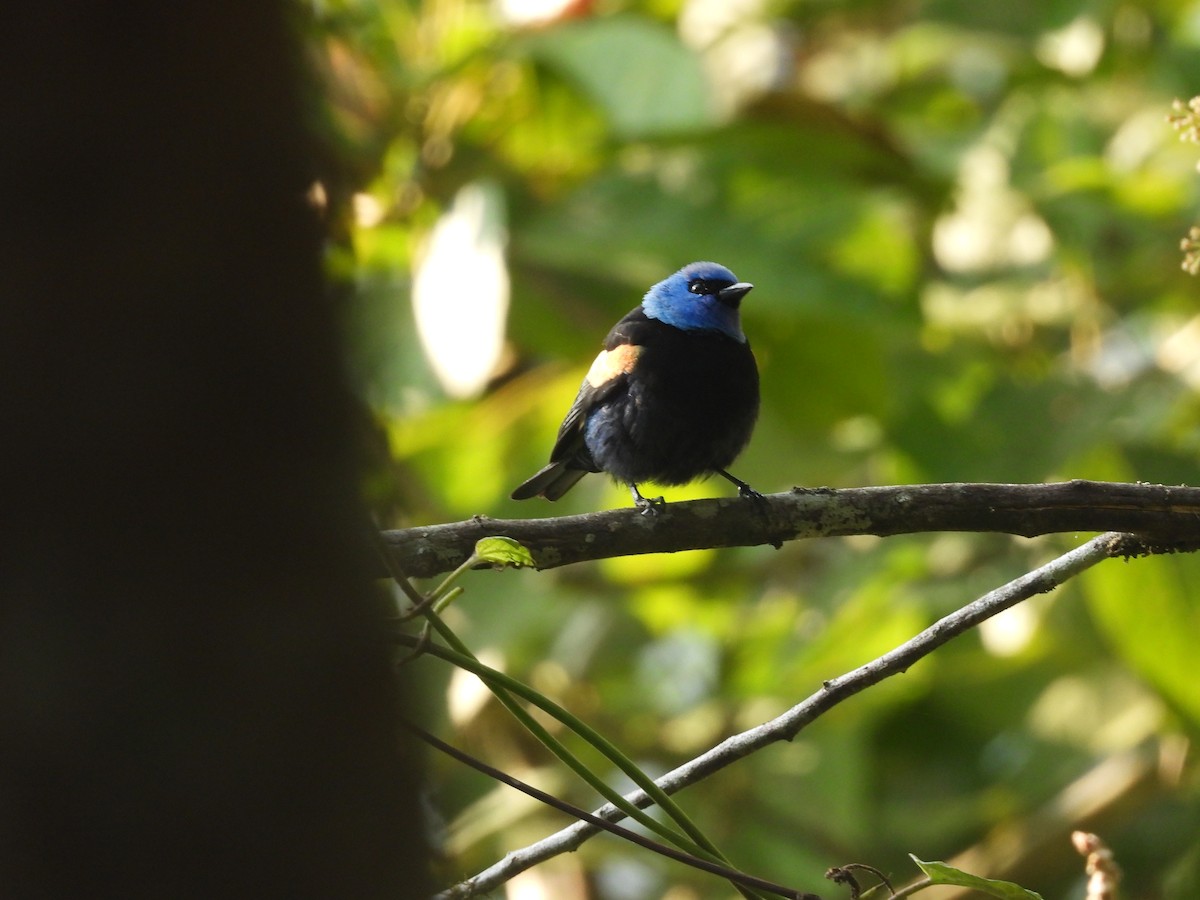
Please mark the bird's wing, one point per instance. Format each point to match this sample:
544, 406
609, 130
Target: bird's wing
609, 373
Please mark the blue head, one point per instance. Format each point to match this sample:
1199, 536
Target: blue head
702, 296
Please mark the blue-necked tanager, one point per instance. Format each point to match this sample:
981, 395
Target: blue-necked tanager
672, 397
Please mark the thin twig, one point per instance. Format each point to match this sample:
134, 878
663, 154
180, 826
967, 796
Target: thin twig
911, 889
833, 692
729, 874
504, 687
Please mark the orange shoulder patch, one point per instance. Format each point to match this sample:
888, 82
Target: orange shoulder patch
611, 363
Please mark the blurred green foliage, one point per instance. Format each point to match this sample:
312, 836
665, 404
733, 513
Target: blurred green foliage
963, 223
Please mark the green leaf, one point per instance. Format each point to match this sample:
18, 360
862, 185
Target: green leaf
1147, 610
503, 551
940, 873
636, 70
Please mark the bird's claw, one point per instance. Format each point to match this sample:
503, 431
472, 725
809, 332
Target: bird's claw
748, 493
650, 505
744, 490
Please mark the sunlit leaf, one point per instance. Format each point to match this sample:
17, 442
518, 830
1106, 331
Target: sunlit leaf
503, 551
940, 873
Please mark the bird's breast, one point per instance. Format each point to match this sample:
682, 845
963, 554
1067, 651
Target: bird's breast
688, 408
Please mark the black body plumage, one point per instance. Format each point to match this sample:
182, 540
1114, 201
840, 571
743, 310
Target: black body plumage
672, 397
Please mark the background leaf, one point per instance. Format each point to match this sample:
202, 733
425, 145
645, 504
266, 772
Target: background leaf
962, 222
636, 70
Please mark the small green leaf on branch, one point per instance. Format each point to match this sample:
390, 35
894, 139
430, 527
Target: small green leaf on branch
940, 873
502, 552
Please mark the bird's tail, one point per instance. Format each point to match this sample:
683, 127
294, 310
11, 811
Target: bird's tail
551, 482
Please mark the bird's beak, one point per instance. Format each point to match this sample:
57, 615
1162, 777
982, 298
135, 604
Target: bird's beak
732, 295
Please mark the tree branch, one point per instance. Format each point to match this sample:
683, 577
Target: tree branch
833, 692
1163, 516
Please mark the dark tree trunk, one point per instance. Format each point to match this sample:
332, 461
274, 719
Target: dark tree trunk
195, 689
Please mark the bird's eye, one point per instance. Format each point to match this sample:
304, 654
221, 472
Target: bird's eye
703, 286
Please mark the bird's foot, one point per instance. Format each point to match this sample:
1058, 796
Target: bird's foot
748, 493
648, 505
744, 490
651, 505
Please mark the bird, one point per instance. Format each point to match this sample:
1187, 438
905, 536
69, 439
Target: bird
672, 396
